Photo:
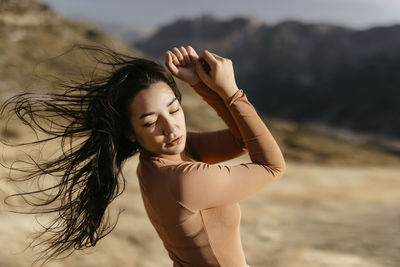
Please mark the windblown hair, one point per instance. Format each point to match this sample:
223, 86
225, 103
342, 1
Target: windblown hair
87, 176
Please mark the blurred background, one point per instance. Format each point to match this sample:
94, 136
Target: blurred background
323, 75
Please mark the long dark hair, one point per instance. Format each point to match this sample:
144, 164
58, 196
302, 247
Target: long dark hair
91, 121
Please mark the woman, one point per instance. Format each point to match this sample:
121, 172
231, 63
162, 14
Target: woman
191, 201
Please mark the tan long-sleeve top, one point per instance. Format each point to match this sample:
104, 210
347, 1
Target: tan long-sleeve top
193, 205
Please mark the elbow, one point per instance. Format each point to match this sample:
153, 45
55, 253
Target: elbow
279, 169
282, 168
275, 171
275, 166
280, 165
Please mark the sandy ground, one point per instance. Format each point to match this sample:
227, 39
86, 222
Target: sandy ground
315, 216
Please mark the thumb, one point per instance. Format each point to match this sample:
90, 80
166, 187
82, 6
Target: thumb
202, 73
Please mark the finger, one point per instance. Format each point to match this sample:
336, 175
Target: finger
179, 56
170, 64
168, 57
175, 60
185, 54
209, 58
192, 53
202, 73
217, 56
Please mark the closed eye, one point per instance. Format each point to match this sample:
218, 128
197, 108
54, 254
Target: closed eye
175, 111
152, 123
149, 124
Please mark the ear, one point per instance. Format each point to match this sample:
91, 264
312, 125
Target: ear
132, 138
130, 135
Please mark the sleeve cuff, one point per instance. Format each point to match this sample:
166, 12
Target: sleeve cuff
239, 93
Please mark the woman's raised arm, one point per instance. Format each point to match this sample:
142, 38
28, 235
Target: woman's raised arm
200, 185
222, 145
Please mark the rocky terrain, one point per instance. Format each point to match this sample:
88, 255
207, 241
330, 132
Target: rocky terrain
314, 216
36, 43
337, 205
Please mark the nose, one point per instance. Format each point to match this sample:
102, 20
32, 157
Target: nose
169, 127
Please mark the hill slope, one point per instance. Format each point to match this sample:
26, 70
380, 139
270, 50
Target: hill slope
32, 38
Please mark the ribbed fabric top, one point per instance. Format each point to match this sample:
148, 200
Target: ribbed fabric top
193, 205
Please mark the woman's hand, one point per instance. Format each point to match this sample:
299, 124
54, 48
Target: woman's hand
221, 77
182, 64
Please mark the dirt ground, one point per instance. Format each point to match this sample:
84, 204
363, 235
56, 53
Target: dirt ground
317, 215
314, 216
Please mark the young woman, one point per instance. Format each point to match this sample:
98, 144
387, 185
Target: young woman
191, 200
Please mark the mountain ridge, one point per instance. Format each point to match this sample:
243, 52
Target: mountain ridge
30, 50
303, 72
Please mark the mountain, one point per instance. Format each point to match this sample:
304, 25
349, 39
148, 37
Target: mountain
35, 45
304, 72
126, 33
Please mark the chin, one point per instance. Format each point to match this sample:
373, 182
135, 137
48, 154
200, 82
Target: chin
176, 150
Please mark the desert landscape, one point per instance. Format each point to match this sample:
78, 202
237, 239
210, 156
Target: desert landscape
336, 206
314, 216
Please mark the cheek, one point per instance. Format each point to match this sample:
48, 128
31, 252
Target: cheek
142, 134
149, 135
182, 117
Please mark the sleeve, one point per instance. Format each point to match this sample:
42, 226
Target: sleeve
216, 146
200, 185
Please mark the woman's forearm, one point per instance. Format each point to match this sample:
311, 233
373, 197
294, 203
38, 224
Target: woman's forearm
218, 104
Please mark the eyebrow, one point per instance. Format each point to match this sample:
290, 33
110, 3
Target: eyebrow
152, 113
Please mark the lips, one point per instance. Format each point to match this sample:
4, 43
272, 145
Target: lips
175, 142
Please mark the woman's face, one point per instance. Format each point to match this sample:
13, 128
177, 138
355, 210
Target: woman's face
158, 121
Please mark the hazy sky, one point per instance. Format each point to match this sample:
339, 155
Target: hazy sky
150, 13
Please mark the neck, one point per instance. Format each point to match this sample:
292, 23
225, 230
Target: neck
176, 157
